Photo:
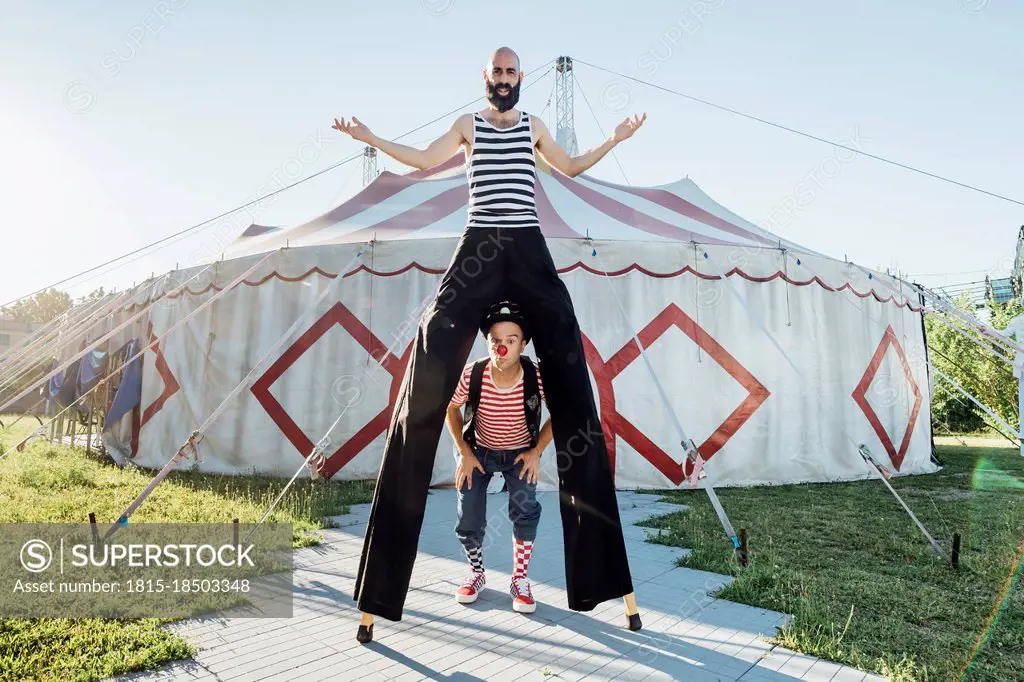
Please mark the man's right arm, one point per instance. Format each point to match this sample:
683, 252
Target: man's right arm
467, 460
437, 152
455, 426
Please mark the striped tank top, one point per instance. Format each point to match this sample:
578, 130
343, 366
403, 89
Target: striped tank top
501, 173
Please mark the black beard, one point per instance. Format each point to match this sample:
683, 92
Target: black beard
502, 102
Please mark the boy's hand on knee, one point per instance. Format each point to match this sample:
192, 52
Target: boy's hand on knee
531, 465
464, 470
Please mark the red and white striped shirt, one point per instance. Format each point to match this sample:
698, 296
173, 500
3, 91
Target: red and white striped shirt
500, 419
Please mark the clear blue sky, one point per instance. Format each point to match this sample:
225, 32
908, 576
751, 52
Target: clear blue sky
123, 122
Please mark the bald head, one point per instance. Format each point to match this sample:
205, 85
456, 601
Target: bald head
501, 57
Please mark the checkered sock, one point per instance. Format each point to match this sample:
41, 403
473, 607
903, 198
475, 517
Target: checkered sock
476, 558
522, 550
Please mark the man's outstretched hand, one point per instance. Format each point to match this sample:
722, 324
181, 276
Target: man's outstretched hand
625, 130
355, 129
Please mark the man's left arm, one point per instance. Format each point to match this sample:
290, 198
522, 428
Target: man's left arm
545, 437
572, 166
531, 457
545, 431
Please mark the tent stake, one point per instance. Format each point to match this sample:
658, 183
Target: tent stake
95, 529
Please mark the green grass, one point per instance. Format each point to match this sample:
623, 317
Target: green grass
860, 579
62, 484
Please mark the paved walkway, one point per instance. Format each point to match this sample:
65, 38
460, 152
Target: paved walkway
687, 635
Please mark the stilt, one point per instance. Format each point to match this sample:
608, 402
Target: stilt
365, 633
744, 558
632, 612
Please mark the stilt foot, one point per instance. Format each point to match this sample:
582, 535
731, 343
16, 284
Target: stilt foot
365, 633
632, 612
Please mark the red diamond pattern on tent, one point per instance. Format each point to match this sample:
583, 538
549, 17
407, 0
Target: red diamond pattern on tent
614, 423
860, 397
170, 383
343, 317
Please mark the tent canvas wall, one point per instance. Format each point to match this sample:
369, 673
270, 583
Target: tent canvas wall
858, 345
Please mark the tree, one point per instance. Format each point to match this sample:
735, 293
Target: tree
979, 372
93, 295
46, 305
40, 308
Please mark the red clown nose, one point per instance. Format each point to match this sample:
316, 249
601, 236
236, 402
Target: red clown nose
502, 351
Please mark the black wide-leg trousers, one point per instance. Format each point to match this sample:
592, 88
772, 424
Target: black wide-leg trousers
489, 265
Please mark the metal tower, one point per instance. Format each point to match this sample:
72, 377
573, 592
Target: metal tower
369, 165
565, 130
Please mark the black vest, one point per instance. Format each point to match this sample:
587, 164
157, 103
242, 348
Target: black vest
531, 400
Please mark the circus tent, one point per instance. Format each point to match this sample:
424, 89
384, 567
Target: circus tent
777, 360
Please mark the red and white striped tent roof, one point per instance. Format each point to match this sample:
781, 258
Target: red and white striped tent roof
432, 204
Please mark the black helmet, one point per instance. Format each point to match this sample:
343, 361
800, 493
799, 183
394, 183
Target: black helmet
505, 311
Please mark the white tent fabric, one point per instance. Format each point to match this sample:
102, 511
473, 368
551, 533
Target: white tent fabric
755, 420
430, 205
860, 350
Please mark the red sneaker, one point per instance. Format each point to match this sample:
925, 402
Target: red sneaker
472, 585
522, 597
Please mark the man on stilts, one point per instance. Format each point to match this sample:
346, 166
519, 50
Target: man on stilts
502, 255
